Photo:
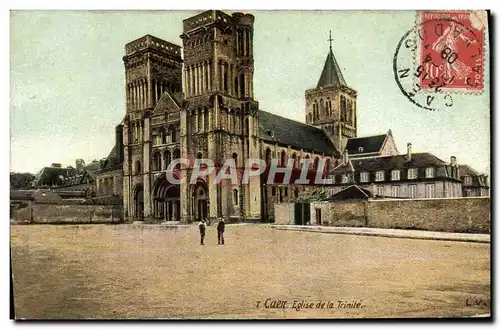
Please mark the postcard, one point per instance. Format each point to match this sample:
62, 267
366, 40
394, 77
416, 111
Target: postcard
224, 164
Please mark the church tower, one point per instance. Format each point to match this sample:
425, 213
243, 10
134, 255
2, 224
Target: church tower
152, 66
332, 104
219, 119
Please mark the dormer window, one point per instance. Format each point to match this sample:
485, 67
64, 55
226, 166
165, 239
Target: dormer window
345, 178
429, 172
395, 175
412, 173
379, 176
364, 177
467, 180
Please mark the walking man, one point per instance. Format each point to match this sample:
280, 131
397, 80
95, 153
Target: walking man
202, 228
220, 231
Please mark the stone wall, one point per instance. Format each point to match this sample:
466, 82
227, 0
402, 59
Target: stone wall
348, 213
448, 215
67, 214
284, 213
453, 215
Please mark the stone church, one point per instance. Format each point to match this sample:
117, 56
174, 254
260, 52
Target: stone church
201, 104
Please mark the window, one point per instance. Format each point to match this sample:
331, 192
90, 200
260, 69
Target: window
365, 177
286, 191
205, 120
429, 172
268, 157
467, 180
395, 175
273, 191
235, 197
235, 158
395, 191
379, 176
157, 161
137, 167
412, 173
360, 149
430, 191
380, 190
412, 191
283, 159
345, 178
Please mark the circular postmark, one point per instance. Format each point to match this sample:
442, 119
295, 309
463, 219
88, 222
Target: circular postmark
438, 58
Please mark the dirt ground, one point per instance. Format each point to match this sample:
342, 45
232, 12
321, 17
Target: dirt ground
128, 271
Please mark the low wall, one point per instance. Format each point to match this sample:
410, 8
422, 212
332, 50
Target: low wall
284, 213
447, 215
68, 214
347, 214
453, 215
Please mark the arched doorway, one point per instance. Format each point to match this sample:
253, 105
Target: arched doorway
166, 201
200, 201
139, 203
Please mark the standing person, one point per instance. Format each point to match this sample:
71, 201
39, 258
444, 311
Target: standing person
202, 228
220, 231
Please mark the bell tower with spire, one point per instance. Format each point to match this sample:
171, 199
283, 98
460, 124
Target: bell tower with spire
332, 104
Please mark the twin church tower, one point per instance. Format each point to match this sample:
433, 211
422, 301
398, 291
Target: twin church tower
198, 102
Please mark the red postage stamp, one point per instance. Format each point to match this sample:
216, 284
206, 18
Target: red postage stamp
451, 51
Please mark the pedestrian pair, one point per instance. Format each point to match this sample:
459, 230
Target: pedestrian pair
220, 231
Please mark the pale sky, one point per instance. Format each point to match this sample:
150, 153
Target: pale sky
67, 80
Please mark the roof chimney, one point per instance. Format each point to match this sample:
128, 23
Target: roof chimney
453, 160
408, 152
346, 156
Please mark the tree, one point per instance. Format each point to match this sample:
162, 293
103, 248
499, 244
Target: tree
21, 181
312, 195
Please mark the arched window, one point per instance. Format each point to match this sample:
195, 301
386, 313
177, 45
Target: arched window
316, 161
235, 197
177, 154
241, 80
157, 161
268, 156
200, 118
283, 159
321, 106
235, 157
138, 167
199, 155
174, 134
225, 83
294, 157
168, 157
205, 120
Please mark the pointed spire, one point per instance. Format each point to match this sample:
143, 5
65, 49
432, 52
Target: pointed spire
331, 74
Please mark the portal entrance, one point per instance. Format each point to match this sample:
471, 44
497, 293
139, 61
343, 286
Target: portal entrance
200, 202
139, 203
166, 201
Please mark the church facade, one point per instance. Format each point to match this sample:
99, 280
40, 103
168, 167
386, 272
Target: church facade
201, 106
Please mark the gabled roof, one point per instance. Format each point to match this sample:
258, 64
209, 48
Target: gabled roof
351, 192
277, 129
369, 144
331, 74
167, 101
